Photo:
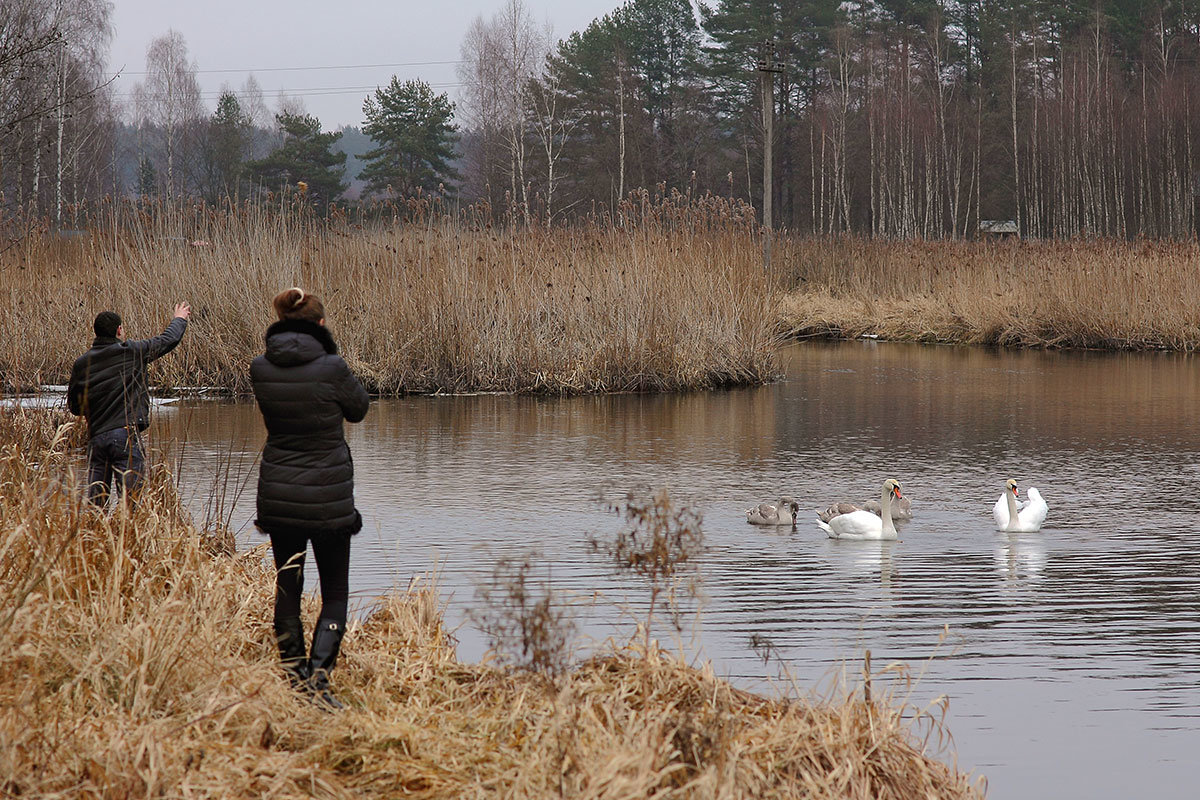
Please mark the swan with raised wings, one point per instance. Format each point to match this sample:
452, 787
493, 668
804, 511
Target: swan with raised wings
861, 524
1027, 517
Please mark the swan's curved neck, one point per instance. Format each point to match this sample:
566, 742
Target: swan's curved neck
885, 509
1012, 509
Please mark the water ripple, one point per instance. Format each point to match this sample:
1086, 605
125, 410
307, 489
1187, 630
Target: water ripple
1058, 650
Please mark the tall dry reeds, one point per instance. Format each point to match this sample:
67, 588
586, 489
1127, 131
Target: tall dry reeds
138, 661
436, 304
673, 298
1078, 293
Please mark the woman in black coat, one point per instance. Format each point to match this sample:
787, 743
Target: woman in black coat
306, 482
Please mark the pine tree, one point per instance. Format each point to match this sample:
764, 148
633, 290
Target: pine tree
228, 142
305, 156
600, 95
664, 43
414, 137
147, 179
800, 32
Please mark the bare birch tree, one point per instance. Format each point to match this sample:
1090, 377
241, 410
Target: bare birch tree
254, 105
524, 51
169, 98
85, 29
501, 59
553, 129
51, 98
480, 71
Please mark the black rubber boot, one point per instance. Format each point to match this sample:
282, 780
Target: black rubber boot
327, 641
289, 635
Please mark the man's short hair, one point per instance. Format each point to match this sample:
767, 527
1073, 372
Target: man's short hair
106, 324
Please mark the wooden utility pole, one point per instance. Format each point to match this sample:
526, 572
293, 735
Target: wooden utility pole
767, 70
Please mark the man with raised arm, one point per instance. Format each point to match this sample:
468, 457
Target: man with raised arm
108, 387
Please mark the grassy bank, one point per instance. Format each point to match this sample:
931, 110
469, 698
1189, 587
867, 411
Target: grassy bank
417, 307
1101, 294
138, 661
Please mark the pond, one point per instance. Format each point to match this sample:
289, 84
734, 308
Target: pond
1070, 657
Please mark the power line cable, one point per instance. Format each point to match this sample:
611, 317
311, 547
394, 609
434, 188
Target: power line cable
310, 92
299, 69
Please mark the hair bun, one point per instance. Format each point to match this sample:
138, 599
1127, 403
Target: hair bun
288, 300
291, 298
295, 303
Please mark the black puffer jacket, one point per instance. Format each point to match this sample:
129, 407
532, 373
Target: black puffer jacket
304, 390
108, 382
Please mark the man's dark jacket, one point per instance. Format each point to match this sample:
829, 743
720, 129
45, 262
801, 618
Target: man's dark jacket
108, 382
304, 390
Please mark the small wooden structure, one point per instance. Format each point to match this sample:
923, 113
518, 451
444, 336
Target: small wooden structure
998, 228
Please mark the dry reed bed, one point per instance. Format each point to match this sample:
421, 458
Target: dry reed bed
1088, 293
666, 304
138, 662
427, 307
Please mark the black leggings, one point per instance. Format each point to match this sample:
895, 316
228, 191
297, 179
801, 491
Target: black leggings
333, 566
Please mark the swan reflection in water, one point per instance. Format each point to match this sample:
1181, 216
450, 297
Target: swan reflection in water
1020, 558
860, 559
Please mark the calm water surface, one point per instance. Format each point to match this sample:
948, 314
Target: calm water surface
1070, 657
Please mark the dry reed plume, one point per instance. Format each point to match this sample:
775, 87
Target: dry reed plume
434, 305
1087, 293
138, 662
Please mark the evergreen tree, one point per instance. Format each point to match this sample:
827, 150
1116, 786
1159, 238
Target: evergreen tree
602, 98
736, 30
229, 138
147, 178
800, 31
305, 156
664, 44
414, 137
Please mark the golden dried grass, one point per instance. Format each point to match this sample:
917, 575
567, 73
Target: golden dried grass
437, 306
676, 299
1082, 293
138, 661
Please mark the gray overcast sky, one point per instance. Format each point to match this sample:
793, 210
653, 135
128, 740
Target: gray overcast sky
267, 36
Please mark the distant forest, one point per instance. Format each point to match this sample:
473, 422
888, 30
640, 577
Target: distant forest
891, 118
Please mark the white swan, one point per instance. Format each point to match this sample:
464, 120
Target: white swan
783, 513
1029, 516
862, 524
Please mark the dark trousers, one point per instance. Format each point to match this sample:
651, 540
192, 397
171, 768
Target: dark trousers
115, 454
333, 565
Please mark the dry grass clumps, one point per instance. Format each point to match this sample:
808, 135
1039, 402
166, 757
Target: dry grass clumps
1087, 293
138, 662
437, 306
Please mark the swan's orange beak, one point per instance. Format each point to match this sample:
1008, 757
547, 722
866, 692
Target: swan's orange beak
1016, 492
896, 492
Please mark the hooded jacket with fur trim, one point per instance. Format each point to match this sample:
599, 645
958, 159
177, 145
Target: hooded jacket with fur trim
305, 390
